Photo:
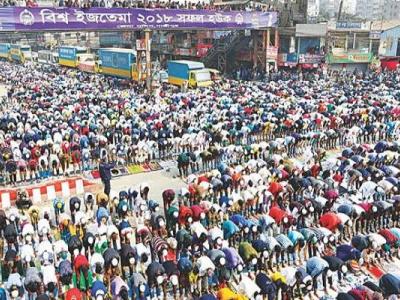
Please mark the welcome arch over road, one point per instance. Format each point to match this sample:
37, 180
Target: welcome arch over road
74, 19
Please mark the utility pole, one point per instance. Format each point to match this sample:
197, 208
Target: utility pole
268, 42
339, 17
147, 40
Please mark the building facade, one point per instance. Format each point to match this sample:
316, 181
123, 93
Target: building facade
378, 9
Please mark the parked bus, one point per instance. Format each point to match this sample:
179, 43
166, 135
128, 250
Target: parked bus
69, 55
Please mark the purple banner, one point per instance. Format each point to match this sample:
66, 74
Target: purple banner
64, 19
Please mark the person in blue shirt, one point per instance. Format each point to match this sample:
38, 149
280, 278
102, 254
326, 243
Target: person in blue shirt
105, 174
316, 266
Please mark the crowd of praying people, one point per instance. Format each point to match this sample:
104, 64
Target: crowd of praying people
291, 188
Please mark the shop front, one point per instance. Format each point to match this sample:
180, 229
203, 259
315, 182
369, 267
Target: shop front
271, 58
288, 60
311, 61
349, 60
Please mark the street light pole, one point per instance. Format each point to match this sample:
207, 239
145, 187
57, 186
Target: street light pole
147, 39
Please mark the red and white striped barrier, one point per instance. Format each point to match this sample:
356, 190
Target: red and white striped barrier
48, 191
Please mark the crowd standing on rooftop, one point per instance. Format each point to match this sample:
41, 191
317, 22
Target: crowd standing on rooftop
292, 187
137, 4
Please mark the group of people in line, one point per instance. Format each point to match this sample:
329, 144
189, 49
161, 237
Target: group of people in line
292, 188
158, 4
63, 121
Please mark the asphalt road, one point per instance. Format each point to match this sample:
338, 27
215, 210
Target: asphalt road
158, 181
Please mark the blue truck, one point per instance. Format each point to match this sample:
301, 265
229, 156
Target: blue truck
192, 72
69, 56
20, 53
118, 62
5, 50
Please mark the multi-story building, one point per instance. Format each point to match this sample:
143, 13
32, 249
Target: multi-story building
391, 10
329, 8
351, 45
370, 9
378, 9
313, 10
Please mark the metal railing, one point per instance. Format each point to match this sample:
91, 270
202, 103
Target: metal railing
223, 45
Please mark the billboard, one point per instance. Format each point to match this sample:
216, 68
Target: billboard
287, 59
272, 53
49, 18
389, 42
202, 49
348, 25
120, 38
348, 58
67, 53
311, 58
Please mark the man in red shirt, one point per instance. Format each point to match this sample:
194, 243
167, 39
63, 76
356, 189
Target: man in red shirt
315, 169
73, 294
330, 220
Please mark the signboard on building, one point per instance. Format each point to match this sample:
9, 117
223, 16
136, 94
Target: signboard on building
272, 53
287, 59
244, 56
375, 35
348, 25
140, 45
389, 42
220, 34
202, 49
310, 58
311, 20
348, 58
202, 35
165, 48
185, 51
311, 30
